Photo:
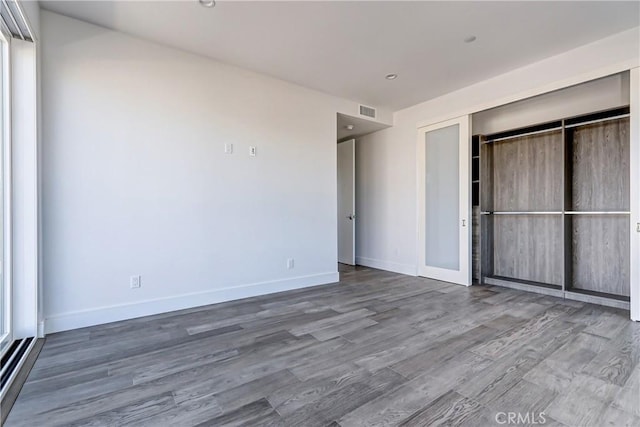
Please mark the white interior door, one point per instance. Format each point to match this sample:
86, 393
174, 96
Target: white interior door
444, 201
347, 202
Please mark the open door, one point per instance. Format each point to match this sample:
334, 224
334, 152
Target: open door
444, 201
347, 202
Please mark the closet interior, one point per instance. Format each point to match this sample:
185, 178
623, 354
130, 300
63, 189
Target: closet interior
551, 206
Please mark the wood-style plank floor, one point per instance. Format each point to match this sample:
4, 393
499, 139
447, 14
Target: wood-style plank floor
378, 348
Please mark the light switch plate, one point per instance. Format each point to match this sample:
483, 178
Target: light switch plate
135, 282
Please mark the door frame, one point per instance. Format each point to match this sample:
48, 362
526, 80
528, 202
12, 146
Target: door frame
634, 165
463, 275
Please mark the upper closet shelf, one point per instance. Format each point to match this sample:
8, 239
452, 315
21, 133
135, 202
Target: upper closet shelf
567, 123
528, 131
601, 116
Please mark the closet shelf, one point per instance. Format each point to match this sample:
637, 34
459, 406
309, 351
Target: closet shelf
590, 122
597, 117
504, 138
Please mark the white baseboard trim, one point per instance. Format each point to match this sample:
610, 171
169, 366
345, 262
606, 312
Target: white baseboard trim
41, 332
100, 315
396, 267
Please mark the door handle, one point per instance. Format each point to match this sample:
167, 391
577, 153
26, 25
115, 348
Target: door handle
351, 217
638, 228
464, 223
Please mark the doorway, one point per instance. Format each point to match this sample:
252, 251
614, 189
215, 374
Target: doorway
348, 133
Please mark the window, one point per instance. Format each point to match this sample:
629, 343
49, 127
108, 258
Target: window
6, 335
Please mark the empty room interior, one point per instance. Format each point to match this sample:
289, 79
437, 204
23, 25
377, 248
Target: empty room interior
319, 213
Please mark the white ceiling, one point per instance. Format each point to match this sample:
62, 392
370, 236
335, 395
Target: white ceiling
361, 127
346, 48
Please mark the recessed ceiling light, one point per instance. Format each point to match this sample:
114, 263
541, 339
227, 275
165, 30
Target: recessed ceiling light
350, 127
391, 76
470, 39
207, 3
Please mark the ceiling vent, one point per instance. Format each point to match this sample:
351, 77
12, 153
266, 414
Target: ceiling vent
367, 111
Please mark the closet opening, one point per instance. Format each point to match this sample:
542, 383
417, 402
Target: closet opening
551, 193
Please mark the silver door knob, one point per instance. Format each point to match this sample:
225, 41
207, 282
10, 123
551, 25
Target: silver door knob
351, 217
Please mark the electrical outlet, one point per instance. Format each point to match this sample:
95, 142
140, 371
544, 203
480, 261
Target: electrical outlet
228, 148
290, 263
252, 151
135, 282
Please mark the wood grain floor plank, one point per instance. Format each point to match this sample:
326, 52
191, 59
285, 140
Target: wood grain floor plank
442, 350
290, 399
627, 397
393, 407
128, 414
186, 414
577, 409
330, 322
255, 413
339, 402
450, 409
345, 328
524, 397
258, 389
517, 337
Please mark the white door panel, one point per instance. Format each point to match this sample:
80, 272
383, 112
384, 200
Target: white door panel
444, 201
346, 202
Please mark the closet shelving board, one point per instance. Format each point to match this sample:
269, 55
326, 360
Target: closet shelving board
475, 208
554, 208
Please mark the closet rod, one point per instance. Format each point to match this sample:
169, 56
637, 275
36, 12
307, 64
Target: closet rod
598, 213
622, 116
522, 213
523, 134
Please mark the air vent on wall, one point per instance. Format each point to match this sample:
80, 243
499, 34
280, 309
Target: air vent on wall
367, 111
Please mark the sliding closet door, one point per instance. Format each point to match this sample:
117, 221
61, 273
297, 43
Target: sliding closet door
444, 201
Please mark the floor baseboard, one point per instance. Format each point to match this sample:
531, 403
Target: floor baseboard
101, 315
395, 267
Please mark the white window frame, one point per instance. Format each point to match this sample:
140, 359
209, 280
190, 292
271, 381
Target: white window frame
6, 334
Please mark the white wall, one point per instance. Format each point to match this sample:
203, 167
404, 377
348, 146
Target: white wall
385, 199
387, 232
135, 179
